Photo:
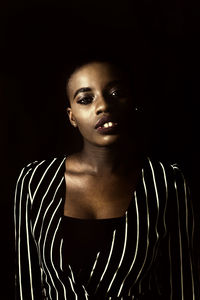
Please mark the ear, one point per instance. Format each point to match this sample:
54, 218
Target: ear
71, 117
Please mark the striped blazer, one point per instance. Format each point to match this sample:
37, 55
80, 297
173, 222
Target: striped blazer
151, 254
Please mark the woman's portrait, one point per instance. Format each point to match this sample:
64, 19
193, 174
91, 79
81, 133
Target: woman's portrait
103, 190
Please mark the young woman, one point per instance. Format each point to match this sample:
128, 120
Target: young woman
106, 222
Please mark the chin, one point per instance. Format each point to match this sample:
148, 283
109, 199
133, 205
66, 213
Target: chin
108, 140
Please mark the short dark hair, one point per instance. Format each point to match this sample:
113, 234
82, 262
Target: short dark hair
119, 61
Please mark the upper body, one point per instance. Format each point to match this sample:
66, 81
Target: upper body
141, 207
151, 249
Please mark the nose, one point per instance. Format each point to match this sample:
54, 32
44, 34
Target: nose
102, 105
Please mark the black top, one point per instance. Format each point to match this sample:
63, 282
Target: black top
85, 238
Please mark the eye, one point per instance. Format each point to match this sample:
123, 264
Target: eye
115, 93
118, 93
85, 100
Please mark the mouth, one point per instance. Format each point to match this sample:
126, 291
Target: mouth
106, 126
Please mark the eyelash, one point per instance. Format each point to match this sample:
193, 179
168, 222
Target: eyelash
88, 99
84, 100
117, 93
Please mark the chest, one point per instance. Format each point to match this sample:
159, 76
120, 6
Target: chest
99, 197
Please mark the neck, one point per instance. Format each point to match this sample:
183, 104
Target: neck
110, 159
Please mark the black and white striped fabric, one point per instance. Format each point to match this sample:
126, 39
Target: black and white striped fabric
149, 255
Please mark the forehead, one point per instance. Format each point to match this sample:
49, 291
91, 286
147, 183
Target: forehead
92, 74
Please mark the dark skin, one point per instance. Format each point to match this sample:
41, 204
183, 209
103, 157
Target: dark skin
102, 177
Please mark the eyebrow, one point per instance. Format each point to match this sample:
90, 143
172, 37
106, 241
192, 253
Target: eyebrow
114, 82
88, 89
82, 90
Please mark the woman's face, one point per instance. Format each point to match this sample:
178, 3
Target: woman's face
100, 103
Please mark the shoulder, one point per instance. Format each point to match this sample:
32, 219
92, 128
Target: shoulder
168, 181
167, 166
37, 178
171, 173
37, 169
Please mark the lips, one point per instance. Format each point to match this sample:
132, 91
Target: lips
106, 125
105, 120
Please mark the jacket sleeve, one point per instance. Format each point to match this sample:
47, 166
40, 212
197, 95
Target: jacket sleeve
174, 274
183, 275
27, 270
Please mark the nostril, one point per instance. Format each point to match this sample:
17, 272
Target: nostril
98, 112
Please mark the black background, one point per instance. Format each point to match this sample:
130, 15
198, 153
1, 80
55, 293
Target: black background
39, 38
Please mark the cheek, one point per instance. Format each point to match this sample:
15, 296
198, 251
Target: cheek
84, 127
126, 104
84, 123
